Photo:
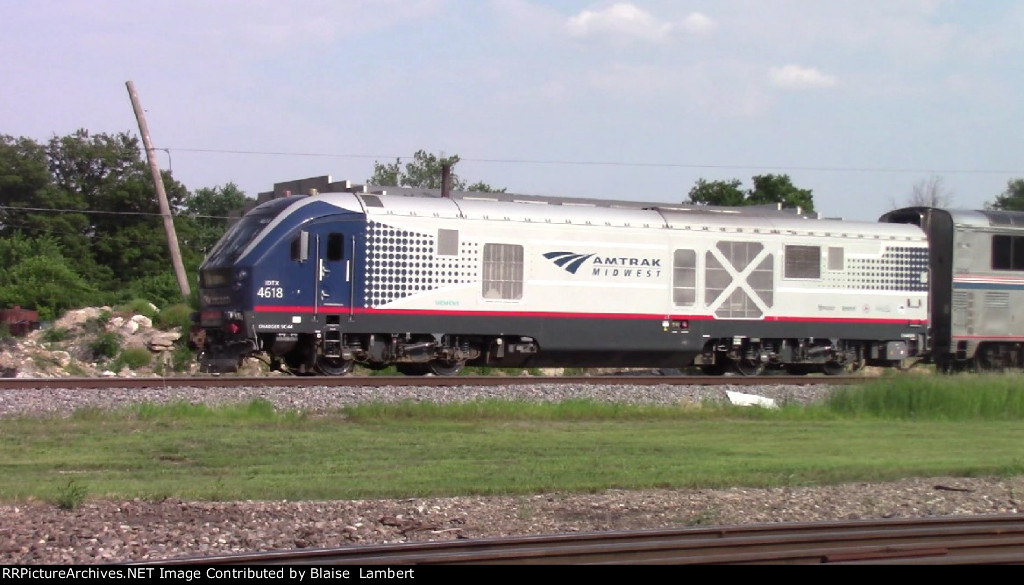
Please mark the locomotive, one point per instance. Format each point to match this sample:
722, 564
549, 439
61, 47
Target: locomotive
431, 281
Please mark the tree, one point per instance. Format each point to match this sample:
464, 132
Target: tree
32, 203
1012, 199
481, 187
767, 190
930, 192
722, 193
23, 175
36, 275
93, 197
208, 210
107, 175
770, 189
425, 171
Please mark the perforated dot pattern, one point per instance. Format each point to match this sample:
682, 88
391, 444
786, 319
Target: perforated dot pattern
898, 269
401, 263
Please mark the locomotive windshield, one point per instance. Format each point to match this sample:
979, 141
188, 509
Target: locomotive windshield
238, 237
245, 231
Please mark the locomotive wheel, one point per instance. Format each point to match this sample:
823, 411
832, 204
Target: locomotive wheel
833, 368
329, 366
749, 367
440, 368
982, 364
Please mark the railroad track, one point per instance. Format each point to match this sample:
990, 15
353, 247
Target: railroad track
946, 541
342, 381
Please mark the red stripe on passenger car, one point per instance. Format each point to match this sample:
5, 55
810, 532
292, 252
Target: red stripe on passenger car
566, 315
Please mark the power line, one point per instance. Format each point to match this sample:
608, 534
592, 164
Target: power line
94, 212
92, 238
616, 163
87, 211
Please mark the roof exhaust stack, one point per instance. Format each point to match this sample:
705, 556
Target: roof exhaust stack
446, 181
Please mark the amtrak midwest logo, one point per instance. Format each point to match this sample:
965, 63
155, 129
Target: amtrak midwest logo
623, 266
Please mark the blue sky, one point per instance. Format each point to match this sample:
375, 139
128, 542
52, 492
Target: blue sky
858, 100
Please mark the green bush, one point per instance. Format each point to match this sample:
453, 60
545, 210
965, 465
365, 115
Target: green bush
98, 324
56, 334
182, 358
133, 358
71, 495
47, 285
138, 307
162, 288
106, 345
176, 315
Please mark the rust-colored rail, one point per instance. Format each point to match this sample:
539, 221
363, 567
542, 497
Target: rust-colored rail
951, 540
342, 381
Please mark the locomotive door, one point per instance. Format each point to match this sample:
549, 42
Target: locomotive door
329, 255
334, 271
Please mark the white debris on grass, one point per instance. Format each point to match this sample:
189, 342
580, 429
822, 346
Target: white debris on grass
741, 399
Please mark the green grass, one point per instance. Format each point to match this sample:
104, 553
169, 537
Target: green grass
935, 398
882, 431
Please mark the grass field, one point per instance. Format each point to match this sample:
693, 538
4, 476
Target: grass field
884, 430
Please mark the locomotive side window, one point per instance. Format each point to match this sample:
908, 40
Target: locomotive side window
448, 242
335, 247
803, 262
502, 271
1007, 253
835, 258
684, 277
300, 247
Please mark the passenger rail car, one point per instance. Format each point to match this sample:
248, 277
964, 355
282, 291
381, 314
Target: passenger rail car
977, 286
321, 282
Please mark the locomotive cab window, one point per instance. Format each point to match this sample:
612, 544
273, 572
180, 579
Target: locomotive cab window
1007, 253
335, 247
502, 272
803, 262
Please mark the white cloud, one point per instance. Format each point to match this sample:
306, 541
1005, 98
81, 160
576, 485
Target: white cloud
797, 77
619, 20
698, 23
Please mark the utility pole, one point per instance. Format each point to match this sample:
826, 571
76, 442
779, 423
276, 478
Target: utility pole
158, 183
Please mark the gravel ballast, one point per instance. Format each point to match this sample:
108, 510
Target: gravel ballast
136, 530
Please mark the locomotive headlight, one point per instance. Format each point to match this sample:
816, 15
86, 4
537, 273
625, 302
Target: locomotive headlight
240, 275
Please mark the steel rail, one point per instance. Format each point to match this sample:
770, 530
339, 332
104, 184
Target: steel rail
378, 381
948, 540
